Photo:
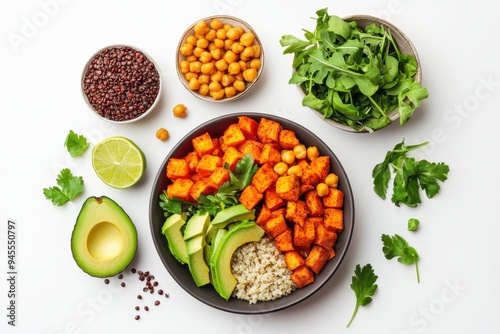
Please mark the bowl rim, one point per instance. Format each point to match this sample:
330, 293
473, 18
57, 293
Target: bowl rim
207, 294
115, 46
179, 58
393, 115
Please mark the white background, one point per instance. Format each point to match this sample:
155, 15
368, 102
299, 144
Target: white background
44, 46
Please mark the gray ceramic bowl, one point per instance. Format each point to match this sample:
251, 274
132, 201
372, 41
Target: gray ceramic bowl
406, 47
127, 90
225, 19
207, 294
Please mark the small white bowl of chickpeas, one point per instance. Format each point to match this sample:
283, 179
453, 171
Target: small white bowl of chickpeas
219, 58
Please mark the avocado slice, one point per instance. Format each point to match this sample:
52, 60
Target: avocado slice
196, 225
238, 234
231, 214
217, 237
104, 238
172, 231
196, 260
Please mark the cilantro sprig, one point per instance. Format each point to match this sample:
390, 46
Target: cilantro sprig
227, 194
364, 287
410, 175
68, 187
75, 144
397, 246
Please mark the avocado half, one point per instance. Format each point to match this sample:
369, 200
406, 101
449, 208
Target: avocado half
104, 238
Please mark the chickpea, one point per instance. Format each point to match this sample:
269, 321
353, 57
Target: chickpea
227, 26
204, 78
234, 68
216, 53
237, 47
247, 38
179, 110
255, 63
230, 57
247, 52
221, 64
211, 35
201, 28
322, 189
191, 39
288, 157
332, 180
191, 58
221, 33
190, 75
217, 76
195, 67
208, 68
229, 91
217, 95
197, 51
216, 24
214, 86
194, 84
228, 43
239, 85
202, 43
300, 152
233, 34
226, 80
186, 49
312, 153
250, 74
281, 168
240, 30
204, 90
184, 66
162, 134
243, 65
219, 43
295, 170
256, 50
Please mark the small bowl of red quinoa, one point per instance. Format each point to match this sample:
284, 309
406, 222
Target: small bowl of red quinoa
121, 83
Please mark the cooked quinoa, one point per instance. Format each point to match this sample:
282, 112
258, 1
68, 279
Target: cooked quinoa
261, 272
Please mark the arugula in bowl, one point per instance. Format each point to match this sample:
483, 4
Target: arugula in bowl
356, 77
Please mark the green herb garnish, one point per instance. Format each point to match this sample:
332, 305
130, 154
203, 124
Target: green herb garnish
413, 224
69, 187
75, 144
364, 287
397, 246
227, 194
410, 175
354, 76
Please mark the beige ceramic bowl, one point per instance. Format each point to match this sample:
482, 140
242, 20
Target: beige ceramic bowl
235, 22
128, 102
406, 47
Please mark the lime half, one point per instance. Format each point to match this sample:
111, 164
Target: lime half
118, 162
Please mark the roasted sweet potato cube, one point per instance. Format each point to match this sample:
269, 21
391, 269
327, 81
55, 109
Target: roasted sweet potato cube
248, 126
250, 197
309, 176
303, 236
284, 241
252, 147
314, 203
288, 187
296, 211
233, 136
272, 200
275, 225
334, 198
192, 159
280, 211
317, 258
287, 139
203, 144
217, 148
201, 187
219, 176
321, 165
270, 154
264, 178
268, 131
207, 165
180, 189
231, 157
263, 215
293, 260
177, 169
334, 219
302, 276
305, 188
331, 253
323, 236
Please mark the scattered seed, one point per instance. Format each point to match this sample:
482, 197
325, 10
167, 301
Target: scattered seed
123, 284
139, 297
134, 270
137, 317
120, 276
106, 281
160, 292
157, 303
146, 308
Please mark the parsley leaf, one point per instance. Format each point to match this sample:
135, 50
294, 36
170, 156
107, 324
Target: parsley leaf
75, 144
410, 176
364, 287
397, 246
69, 187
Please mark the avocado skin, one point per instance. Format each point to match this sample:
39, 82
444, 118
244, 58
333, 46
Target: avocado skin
96, 210
172, 231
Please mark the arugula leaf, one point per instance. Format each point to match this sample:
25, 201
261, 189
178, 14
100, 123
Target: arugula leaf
364, 287
410, 176
75, 144
397, 246
69, 187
